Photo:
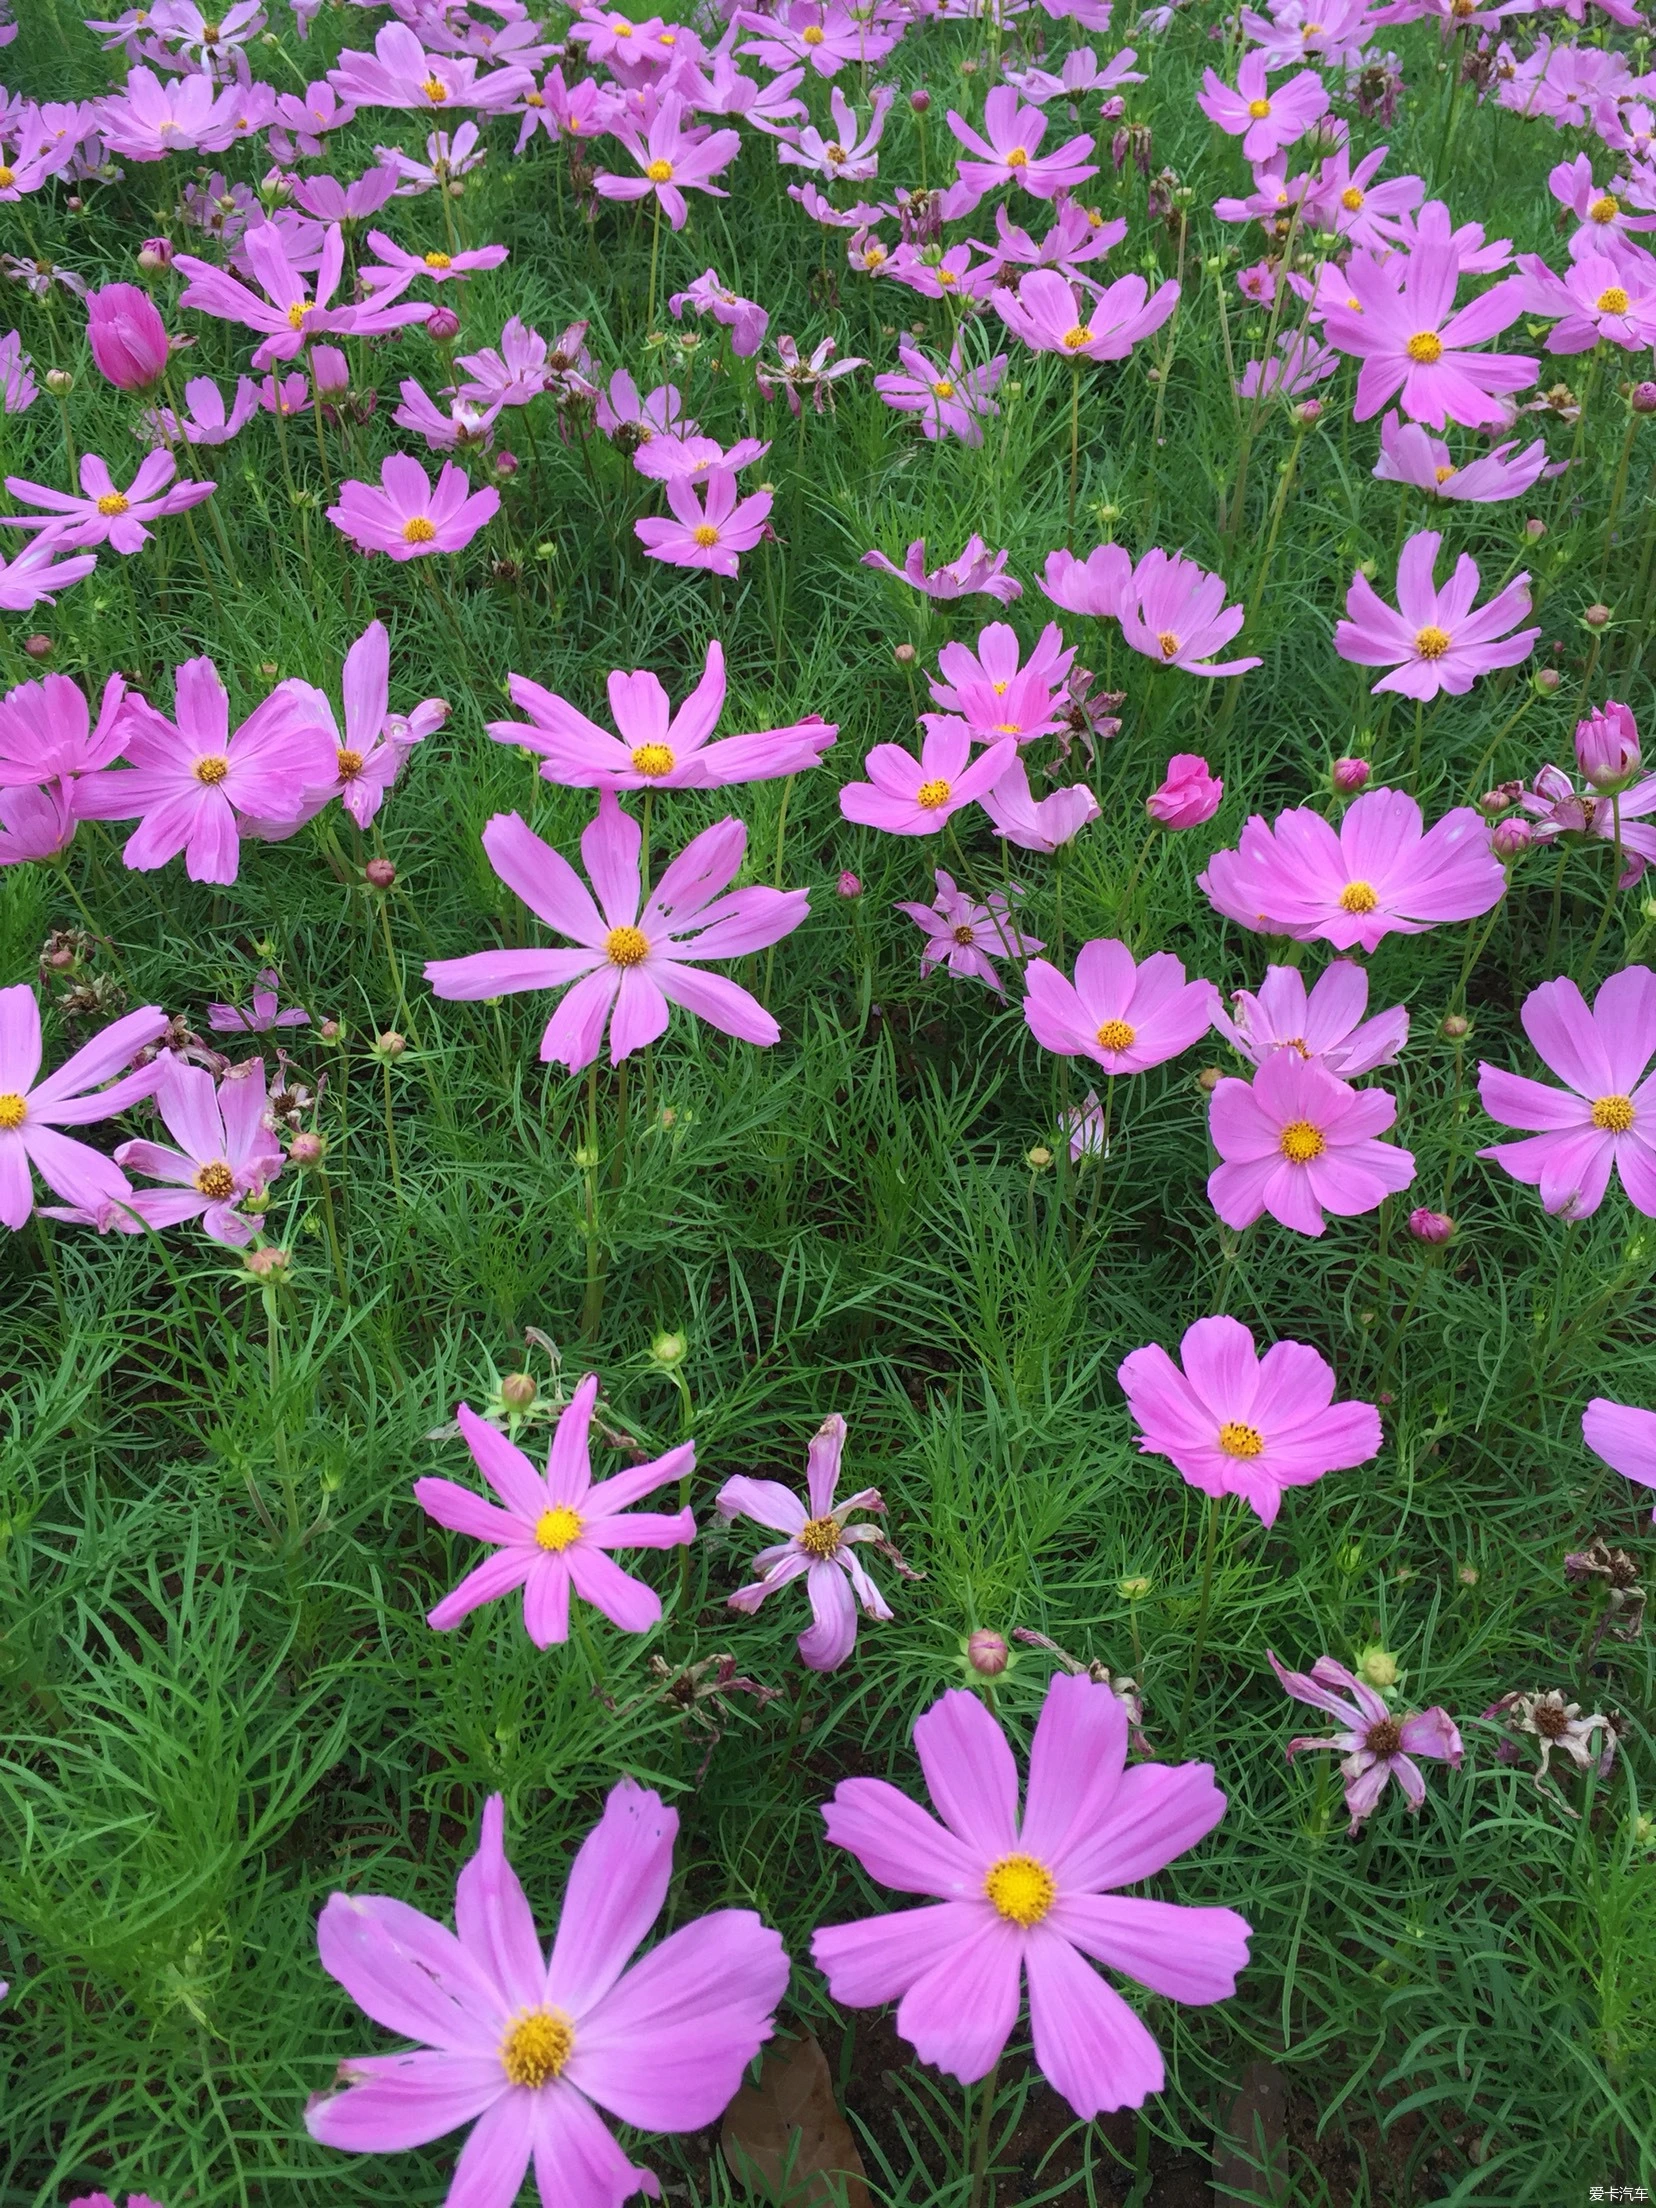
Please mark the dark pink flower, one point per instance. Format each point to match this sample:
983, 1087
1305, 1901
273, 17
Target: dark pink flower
127, 336
1604, 1118
1124, 1015
1188, 796
1413, 345
1296, 1142
710, 531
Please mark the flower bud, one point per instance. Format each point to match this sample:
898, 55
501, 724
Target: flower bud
1454, 1027
1607, 746
1133, 1589
330, 371
1468, 1575
920, 99
1430, 1226
390, 1044
59, 382
127, 336
329, 1031
1209, 1079
669, 1350
1511, 836
987, 1653
1534, 529
1351, 775
1308, 413
1039, 1158
904, 654
505, 465
1377, 1667
38, 646
442, 325
1596, 617
518, 1391
848, 884
1114, 108
1547, 680
306, 1151
155, 256
1189, 795
379, 874
1643, 399
270, 1263
1500, 799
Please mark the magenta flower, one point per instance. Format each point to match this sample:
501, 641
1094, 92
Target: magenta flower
1235, 1423
1604, 1116
1189, 795
35, 824
1409, 454
1377, 873
964, 935
557, 1528
1374, 1745
1414, 347
1037, 823
104, 2200
400, 73
207, 422
1031, 1895
663, 457
1100, 585
1052, 316
710, 531
976, 569
1126, 1017
32, 1111
148, 119
915, 797
102, 514
406, 517
1561, 810
1296, 1142
1264, 120
522, 2045
193, 787
1434, 641
820, 1548
39, 572
746, 321
397, 268
230, 1019
850, 154
993, 693
1324, 1024
674, 160
512, 376
225, 1150
656, 749
636, 955
293, 311
1600, 299
128, 338
951, 401
824, 34
1624, 1436
1176, 615
47, 733
1010, 151
371, 754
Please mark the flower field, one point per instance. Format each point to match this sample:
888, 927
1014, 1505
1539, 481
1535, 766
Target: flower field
827, 1104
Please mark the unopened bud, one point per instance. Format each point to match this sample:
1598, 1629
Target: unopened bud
1643, 398
390, 1044
1596, 617
904, 654
1134, 1589
1308, 412
1351, 775
987, 1653
1209, 1079
505, 465
1377, 1667
1039, 1158
1511, 836
669, 1350
38, 646
518, 1391
442, 325
379, 874
1500, 799
329, 1031
1431, 1226
1468, 1575
59, 382
306, 1151
848, 884
151, 262
1454, 1027
920, 99
1547, 680
1114, 108
1535, 529
269, 1263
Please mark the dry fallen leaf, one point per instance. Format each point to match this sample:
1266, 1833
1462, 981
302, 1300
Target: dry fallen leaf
785, 2137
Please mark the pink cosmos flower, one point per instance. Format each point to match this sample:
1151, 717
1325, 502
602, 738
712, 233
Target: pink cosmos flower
1235, 1423
635, 955
1176, 615
1325, 1024
797, 374
1413, 345
401, 73
461, 426
824, 34
1079, 75
293, 312
1374, 1745
820, 1548
521, 2045
18, 389
1123, 1015
193, 786
746, 321
654, 414
975, 569
1598, 300
1100, 585
512, 376
996, 695
1349, 204
1409, 454
406, 516
374, 748
1077, 235
1301, 364
39, 572
952, 277
32, 1111
1434, 641
1037, 824
1604, 1116
35, 824
397, 268
964, 935
47, 734
330, 201
1009, 153
1377, 873
951, 401
231, 1019
656, 749
664, 456
1624, 1436
1598, 209
126, 336
1189, 795
557, 1528
709, 531
850, 155
105, 2200
102, 514
1052, 316
302, 122
1264, 120
225, 1151
915, 797
1561, 811
207, 422
1296, 1142
673, 162
148, 119
1031, 1895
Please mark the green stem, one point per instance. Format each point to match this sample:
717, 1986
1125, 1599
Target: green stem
1210, 1549
985, 2128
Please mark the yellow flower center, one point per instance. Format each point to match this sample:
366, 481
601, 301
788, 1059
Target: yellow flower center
1431, 642
1359, 897
812, 35
1021, 1889
947, 276
349, 764
819, 1537
8, 177
555, 1529
212, 770
210, 34
1259, 109
1351, 199
836, 153
965, 935
1613, 1115
626, 946
439, 260
1116, 1035
660, 172
1425, 348
1017, 158
1443, 474
435, 90
932, 794
215, 1181
112, 503
621, 27
1079, 336
533, 99
1239, 1440
705, 535
653, 759
419, 529
14, 1110
1168, 643
1300, 1142
945, 390
1605, 208
297, 312
537, 2047
1613, 301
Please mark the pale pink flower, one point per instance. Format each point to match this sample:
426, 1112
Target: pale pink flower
1325, 1024
916, 797
673, 161
998, 693
1009, 152
47, 734
746, 322
401, 73
974, 570
665, 456
851, 155
148, 119
951, 401
1374, 1745
654, 414
1598, 300
231, 1019
1076, 235
512, 376
1410, 454
39, 572
824, 34
406, 516
18, 389
225, 1151
820, 1547
1264, 120
710, 531
207, 421
1413, 345
33, 1111
293, 311
1176, 615
1301, 364
1296, 1142
104, 514
796, 373
375, 746
1052, 316
1101, 584
1604, 1117
35, 824
965, 935
1037, 824
1125, 1015
397, 268
1434, 640
1624, 1437
1598, 209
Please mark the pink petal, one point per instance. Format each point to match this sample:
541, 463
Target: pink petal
1089, 2045
970, 1773
410, 1973
617, 1885
492, 1916
405, 2100
1191, 1955
959, 2013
